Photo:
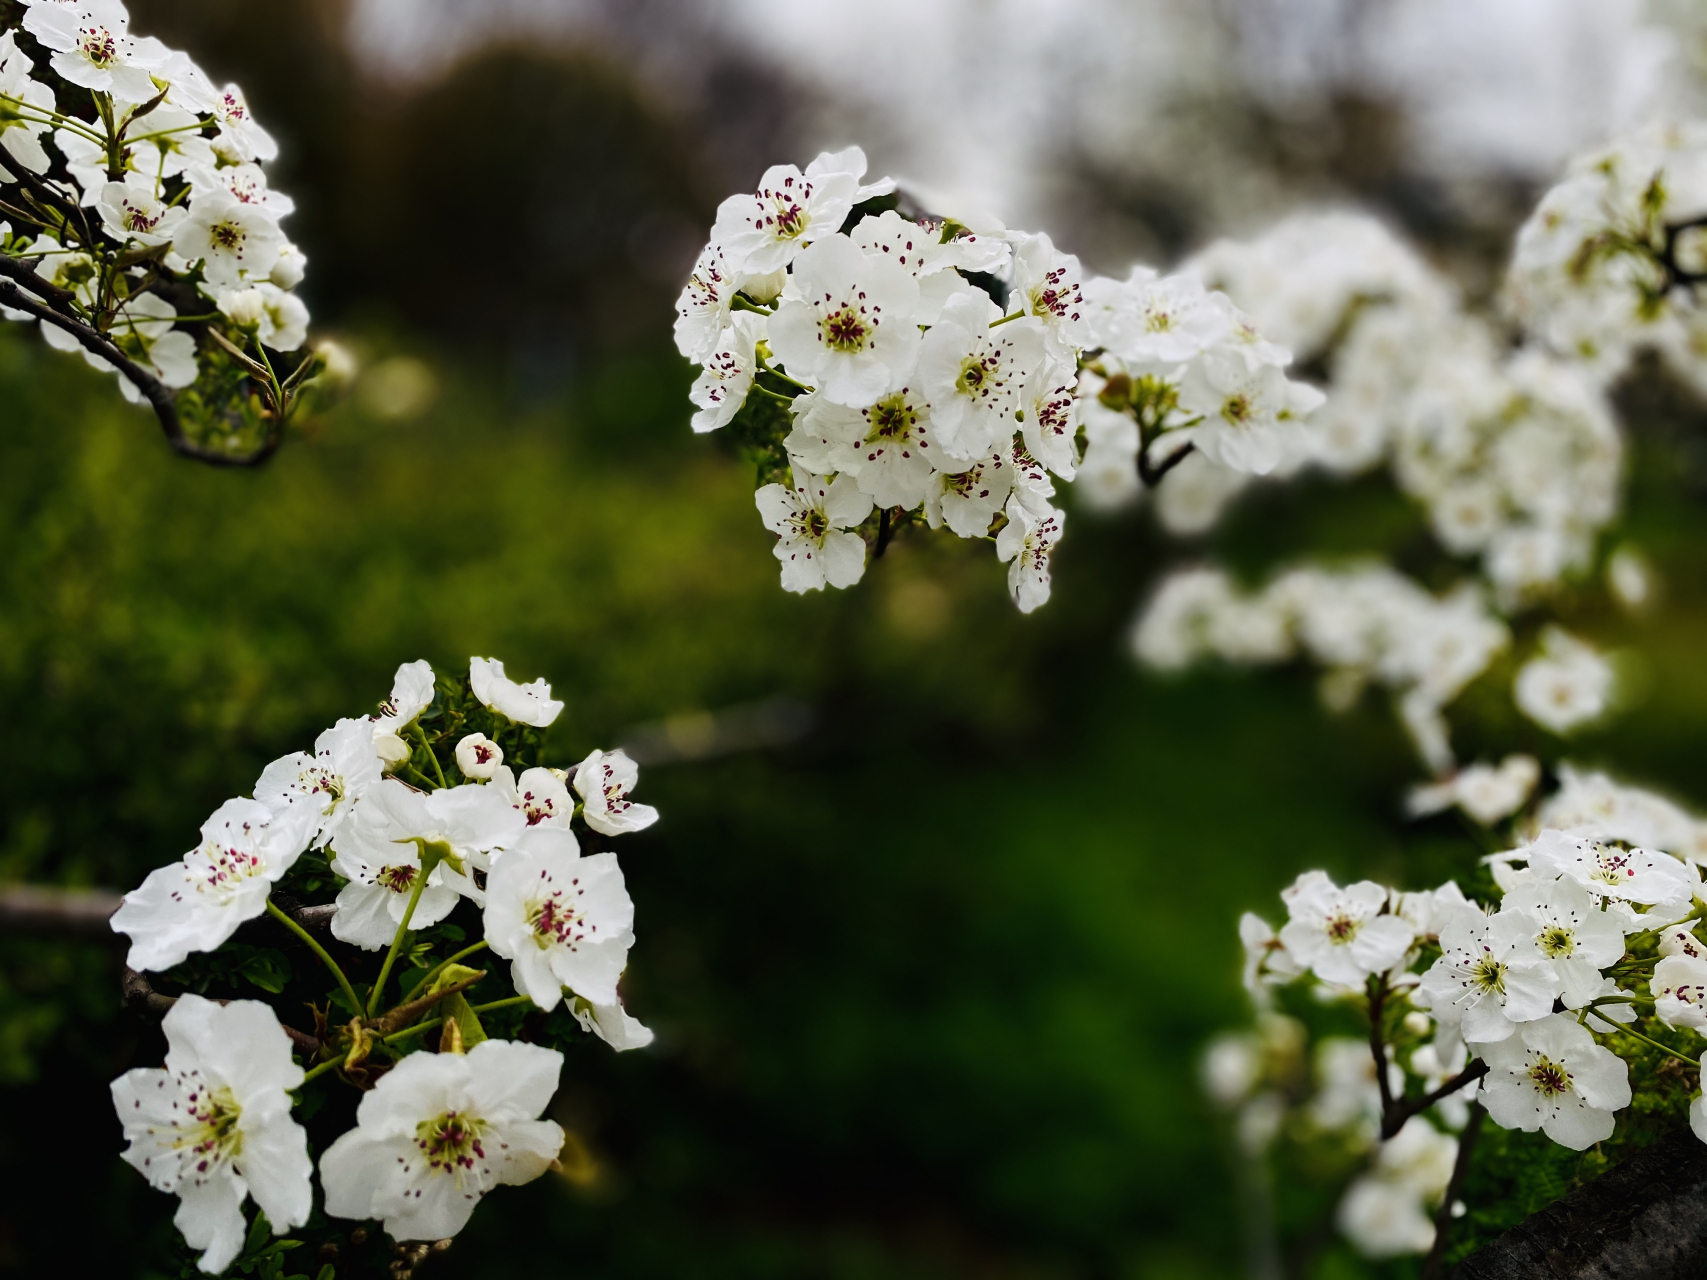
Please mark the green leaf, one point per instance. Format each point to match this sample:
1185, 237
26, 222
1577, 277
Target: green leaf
267, 969
467, 1021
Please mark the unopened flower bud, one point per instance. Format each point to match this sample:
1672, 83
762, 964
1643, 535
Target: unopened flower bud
392, 749
478, 756
245, 308
1417, 1023
290, 268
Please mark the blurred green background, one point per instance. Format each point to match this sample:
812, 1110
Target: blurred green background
931, 982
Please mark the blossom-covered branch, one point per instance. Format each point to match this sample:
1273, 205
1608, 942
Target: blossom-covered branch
137, 227
429, 817
889, 368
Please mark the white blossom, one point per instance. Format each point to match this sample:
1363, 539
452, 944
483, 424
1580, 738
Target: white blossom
845, 323
967, 499
530, 704
1608, 872
727, 376
1491, 976
1568, 685
1341, 934
439, 1131
234, 242
380, 853
1575, 934
612, 1023
811, 521
1487, 793
478, 756
540, 796
1386, 1212
603, 781
197, 903
327, 784
769, 228
92, 47
1679, 986
1048, 285
1249, 416
975, 376
1552, 1076
21, 126
1025, 543
562, 920
214, 1126
132, 211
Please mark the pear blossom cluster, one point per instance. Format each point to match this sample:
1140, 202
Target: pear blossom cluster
1369, 624
1609, 262
1532, 1005
431, 819
889, 369
137, 224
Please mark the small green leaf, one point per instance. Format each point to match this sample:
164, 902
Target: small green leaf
267, 969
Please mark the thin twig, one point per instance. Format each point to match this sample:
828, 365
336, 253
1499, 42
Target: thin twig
160, 397
144, 998
1378, 1045
1443, 1219
1394, 1118
28, 908
885, 531
1151, 474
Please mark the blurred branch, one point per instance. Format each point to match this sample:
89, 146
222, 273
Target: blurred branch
160, 397
36, 909
1433, 1264
143, 998
1151, 473
32, 908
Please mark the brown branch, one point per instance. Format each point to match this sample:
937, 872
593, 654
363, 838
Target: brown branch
1152, 475
1436, 1259
1393, 1118
24, 275
140, 996
1378, 1047
160, 397
406, 1013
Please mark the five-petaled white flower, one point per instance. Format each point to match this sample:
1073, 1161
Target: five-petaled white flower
540, 796
1491, 975
1625, 875
92, 47
524, 703
196, 903
612, 1023
1342, 934
975, 376
603, 781
765, 230
845, 324
1552, 1076
1679, 986
1575, 934
1249, 415
133, 211
560, 919
233, 241
967, 498
811, 521
380, 853
411, 694
1026, 541
722, 386
1569, 684
1048, 285
214, 1125
438, 1132
327, 784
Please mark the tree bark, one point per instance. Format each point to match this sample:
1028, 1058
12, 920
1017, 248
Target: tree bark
1646, 1219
